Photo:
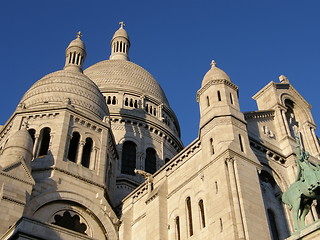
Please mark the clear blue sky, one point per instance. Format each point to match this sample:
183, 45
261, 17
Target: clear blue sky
253, 41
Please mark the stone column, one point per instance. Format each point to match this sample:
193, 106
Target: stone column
35, 146
80, 151
93, 162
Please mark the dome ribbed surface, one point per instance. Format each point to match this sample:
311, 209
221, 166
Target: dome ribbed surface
214, 73
127, 76
120, 33
66, 87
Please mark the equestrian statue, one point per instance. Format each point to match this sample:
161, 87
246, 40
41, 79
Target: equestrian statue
300, 195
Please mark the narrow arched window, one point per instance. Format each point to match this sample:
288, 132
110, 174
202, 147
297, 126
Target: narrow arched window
146, 108
73, 147
177, 223
32, 133
114, 100
44, 141
202, 216
131, 102
273, 225
136, 104
128, 161
189, 216
126, 102
219, 96
211, 146
208, 101
109, 100
86, 154
231, 98
150, 164
241, 143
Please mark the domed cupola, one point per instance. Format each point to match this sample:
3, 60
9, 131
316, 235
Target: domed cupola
75, 54
120, 44
67, 87
214, 73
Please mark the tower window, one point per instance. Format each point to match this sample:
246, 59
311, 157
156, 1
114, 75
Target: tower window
109, 100
231, 98
128, 161
70, 222
44, 141
126, 102
32, 133
87, 149
189, 216
150, 161
241, 143
208, 101
73, 147
211, 146
219, 96
202, 216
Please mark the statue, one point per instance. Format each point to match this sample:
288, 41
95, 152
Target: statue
300, 195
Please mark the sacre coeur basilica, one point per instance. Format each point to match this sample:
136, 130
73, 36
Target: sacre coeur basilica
96, 154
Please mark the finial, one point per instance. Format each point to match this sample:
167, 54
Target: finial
79, 35
283, 79
213, 63
121, 24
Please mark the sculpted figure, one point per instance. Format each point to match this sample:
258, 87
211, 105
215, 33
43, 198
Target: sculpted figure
305, 189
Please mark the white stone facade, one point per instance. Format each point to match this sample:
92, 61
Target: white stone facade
68, 156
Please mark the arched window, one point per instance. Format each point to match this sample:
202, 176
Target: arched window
44, 141
219, 96
177, 223
114, 100
241, 143
73, 147
211, 146
87, 149
189, 216
290, 116
208, 101
32, 133
231, 98
70, 222
202, 216
109, 100
150, 164
128, 161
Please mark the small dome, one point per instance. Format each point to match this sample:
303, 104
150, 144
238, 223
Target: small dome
20, 139
77, 42
66, 88
121, 32
127, 76
214, 73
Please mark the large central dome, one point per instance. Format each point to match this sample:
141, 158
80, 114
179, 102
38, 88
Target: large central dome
125, 75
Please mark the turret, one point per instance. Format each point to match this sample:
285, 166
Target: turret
75, 54
120, 44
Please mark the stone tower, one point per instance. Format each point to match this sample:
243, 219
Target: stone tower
73, 169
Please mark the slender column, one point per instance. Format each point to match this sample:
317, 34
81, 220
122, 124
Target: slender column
79, 156
235, 198
93, 163
35, 146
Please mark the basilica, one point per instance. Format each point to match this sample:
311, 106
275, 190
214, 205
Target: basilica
96, 154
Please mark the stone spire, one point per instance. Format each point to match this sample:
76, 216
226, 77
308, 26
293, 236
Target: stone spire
120, 44
75, 54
